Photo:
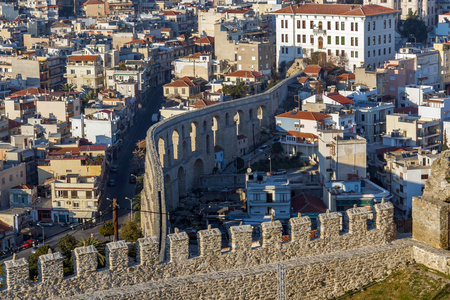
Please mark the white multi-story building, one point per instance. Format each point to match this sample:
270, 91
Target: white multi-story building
351, 35
268, 196
99, 128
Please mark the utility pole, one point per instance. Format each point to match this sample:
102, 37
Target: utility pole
116, 223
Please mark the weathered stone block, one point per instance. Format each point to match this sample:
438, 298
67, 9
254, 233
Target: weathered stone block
178, 245
357, 220
147, 252
300, 229
271, 234
16, 273
385, 219
116, 255
85, 259
50, 267
330, 224
241, 237
210, 241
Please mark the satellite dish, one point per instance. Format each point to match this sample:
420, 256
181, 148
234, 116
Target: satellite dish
249, 170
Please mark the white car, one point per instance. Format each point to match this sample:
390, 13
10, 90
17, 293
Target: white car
44, 224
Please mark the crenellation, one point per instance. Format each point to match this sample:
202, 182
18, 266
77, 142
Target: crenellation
210, 241
85, 260
271, 234
330, 224
178, 243
147, 251
300, 229
357, 220
50, 267
16, 273
384, 220
116, 255
241, 238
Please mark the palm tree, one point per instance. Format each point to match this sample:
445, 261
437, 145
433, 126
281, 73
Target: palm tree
98, 245
67, 87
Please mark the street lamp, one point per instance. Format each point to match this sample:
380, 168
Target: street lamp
412, 36
131, 206
270, 164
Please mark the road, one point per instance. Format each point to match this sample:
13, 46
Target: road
122, 189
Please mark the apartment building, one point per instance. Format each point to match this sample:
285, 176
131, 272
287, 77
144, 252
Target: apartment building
267, 196
397, 74
100, 128
11, 175
75, 198
350, 35
184, 87
85, 72
412, 131
30, 68
371, 119
43, 9
405, 174
444, 64
195, 65
22, 195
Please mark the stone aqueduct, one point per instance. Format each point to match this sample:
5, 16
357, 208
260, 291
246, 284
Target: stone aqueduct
181, 148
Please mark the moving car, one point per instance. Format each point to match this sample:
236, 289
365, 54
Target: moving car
114, 168
111, 182
28, 244
263, 147
35, 248
279, 172
74, 226
132, 179
45, 224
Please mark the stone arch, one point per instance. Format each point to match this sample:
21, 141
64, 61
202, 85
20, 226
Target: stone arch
263, 116
198, 170
175, 144
205, 126
194, 136
181, 182
239, 121
168, 191
184, 150
215, 128
207, 144
161, 151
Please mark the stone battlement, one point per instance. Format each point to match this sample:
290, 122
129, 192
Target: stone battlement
120, 273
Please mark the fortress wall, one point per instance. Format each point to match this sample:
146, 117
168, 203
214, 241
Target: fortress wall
212, 259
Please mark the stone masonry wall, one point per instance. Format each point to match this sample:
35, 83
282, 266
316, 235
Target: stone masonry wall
119, 274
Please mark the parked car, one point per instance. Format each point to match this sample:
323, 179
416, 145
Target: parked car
276, 139
28, 244
132, 179
191, 232
45, 223
279, 172
111, 182
74, 226
35, 248
114, 169
263, 147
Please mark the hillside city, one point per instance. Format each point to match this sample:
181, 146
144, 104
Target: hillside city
81, 82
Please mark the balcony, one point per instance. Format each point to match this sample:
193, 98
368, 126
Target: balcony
319, 31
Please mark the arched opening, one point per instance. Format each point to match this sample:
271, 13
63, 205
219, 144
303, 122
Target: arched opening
194, 134
320, 25
320, 42
238, 120
161, 150
168, 191
207, 145
227, 119
175, 144
198, 170
185, 150
181, 182
263, 117
215, 129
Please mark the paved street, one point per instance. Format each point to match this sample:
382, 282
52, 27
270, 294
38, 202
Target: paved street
122, 189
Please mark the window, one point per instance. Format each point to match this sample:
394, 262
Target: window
384, 24
90, 204
304, 24
88, 72
282, 51
342, 40
337, 40
363, 117
390, 53
337, 52
73, 194
167, 91
296, 125
329, 25
368, 53
352, 26
384, 51
342, 26
374, 40
356, 26
72, 71
368, 26
356, 41
384, 39
304, 39
3, 180
311, 24
10, 178
374, 55
286, 38
311, 38
299, 38
88, 194
285, 24
379, 52
337, 26
389, 38
352, 53
287, 50
282, 39
379, 39
389, 23
298, 24
352, 41
329, 52
368, 41
183, 91
329, 40
424, 176
373, 25
356, 54
253, 58
76, 204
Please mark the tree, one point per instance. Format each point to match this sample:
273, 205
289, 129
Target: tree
277, 148
414, 28
107, 229
98, 245
236, 91
66, 244
122, 65
444, 142
33, 260
131, 231
67, 87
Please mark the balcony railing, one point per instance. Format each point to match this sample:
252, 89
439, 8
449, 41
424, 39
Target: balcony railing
319, 31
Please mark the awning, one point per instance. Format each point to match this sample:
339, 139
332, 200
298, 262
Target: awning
81, 214
28, 231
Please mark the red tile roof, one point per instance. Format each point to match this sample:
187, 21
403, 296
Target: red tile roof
23, 187
13, 124
166, 29
170, 13
337, 9
407, 110
304, 135
245, 74
93, 148
306, 203
29, 91
217, 148
195, 55
381, 151
237, 11
346, 77
312, 69
241, 137
138, 41
83, 58
304, 115
92, 2
340, 98
302, 80
203, 103
205, 40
